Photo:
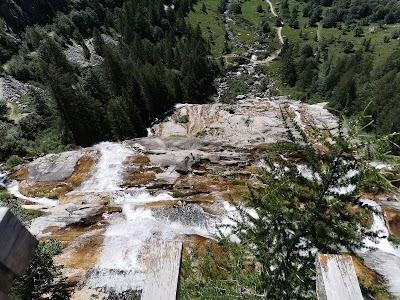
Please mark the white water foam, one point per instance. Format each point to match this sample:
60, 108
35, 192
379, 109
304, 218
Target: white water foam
120, 266
13, 188
107, 174
380, 229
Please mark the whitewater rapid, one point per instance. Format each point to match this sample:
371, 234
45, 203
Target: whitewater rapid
120, 267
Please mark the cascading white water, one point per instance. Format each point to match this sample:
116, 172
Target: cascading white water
381, 255
119, 267
107, 174
13, 188
379, 227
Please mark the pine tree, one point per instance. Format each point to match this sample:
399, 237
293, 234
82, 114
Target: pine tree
304, 206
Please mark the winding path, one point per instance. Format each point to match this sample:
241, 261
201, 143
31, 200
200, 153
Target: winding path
274, 55
271, 7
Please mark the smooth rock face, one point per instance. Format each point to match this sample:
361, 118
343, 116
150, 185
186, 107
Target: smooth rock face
248, 122
17, 247
387, 265
54, 167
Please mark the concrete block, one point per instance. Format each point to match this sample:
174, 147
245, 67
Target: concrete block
336, 278
17, 245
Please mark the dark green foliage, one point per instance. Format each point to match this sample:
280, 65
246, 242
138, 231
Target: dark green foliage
10, 138
3, 108
236, 7
352, 11
25, 216
265, 27
13, 161
222, 6
203, 8
157, 62
299, 215
300, 210
289, 71
41, 274
21, 13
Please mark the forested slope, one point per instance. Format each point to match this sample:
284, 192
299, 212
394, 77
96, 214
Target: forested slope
153, 61
346, 53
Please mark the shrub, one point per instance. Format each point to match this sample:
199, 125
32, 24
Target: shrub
183, 119
13, 161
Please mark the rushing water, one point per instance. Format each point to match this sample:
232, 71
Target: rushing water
379, 253
120, 266
13, 188
108, 170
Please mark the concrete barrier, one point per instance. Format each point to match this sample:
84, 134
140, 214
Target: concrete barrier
336, 278
163, 266
17, 246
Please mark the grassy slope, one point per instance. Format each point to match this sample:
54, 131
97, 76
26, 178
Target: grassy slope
314, 35
380, 49
211, 24
245, 26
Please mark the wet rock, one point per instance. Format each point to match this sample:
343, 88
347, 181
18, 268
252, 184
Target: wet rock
61, 216
186, 214
387, 265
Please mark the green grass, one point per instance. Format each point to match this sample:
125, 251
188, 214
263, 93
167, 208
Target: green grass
306, 34
244, 34
335, 38
211, 24
14, 111
249, 12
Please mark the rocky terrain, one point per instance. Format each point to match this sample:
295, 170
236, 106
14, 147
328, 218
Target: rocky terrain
105, 203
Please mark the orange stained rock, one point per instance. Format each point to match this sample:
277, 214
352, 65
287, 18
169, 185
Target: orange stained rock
140, 160
81, 255
366, 275
138, 178
21, 174
392, 217
82, 169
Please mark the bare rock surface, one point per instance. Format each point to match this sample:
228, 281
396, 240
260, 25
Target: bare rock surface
387, 265
12, 90
172, 185
248, 122
54, 167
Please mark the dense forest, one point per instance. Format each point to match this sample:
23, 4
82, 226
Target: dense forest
344, 67
351, 11
149, 61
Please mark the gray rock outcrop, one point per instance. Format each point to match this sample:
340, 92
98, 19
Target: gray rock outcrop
54, 167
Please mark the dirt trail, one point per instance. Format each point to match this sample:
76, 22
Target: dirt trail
271, 7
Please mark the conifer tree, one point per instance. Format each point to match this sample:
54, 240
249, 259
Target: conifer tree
305, 206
